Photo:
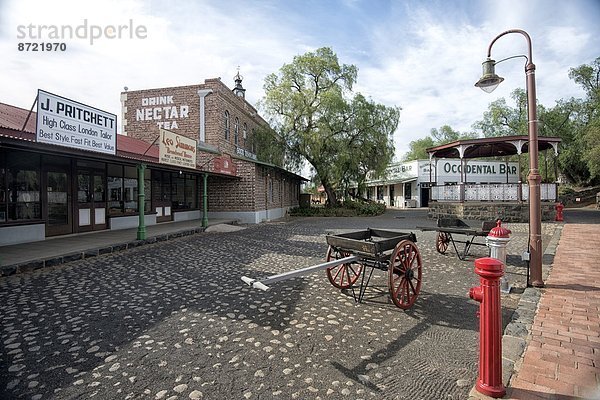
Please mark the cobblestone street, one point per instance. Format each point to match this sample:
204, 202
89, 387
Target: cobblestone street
173, 320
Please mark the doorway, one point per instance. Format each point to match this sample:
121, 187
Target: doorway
161, 195
91, 200
425, 197
57, 198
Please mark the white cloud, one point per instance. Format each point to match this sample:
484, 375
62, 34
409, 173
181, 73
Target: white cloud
424, 57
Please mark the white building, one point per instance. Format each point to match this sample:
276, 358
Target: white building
409, 184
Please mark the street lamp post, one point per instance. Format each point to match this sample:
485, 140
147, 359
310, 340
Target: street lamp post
488, 82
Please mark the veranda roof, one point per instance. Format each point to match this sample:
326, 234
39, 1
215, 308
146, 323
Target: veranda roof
491, 147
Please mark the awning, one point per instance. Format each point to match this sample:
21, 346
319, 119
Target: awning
491, 147
391, 182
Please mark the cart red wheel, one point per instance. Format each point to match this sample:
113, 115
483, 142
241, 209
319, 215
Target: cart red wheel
405, 274
441, 242
342, 276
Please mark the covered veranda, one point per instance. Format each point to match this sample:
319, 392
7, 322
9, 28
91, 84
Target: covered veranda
506, 200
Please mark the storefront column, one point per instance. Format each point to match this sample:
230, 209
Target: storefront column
141, 232
204, 200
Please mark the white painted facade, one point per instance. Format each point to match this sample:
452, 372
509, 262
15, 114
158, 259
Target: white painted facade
407, 185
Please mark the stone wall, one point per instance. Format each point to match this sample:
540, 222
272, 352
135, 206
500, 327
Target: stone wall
485, 211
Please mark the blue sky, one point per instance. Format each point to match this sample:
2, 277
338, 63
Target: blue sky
423, 56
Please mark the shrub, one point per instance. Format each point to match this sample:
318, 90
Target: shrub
565, 190
347, 209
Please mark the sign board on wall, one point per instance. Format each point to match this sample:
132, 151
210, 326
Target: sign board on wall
178, 150
224, 165
449, 171
65, 122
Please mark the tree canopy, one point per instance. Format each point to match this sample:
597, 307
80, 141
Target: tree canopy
316, 117
587, 118
445, 134
575, 121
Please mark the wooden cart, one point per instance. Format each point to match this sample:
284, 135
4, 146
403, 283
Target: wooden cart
350, 255
393, 252
447, 227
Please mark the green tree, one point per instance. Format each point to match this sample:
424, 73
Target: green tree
417, 149
445, 134
588, 77
310, 106
367, 146
562, 121
503, 120
267, 149
588, 118
576, 122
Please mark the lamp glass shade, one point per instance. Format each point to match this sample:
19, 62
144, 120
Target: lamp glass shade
489, 81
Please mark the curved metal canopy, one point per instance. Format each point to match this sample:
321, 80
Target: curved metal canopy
491, 147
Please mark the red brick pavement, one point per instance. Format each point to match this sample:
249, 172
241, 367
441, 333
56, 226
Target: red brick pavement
562, 360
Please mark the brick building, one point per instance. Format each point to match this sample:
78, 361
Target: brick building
68, 175
223, 123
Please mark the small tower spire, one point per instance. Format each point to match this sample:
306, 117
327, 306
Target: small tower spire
238, 90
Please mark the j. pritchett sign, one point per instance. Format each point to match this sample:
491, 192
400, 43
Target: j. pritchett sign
68, 123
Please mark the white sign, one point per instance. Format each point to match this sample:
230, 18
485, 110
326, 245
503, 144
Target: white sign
163, 110
476, 171
177, 150
68, 123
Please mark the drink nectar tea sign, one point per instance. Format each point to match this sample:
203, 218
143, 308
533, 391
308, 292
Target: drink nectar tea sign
65, 122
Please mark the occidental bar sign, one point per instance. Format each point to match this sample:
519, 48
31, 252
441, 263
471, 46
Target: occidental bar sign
65, 122
484, 169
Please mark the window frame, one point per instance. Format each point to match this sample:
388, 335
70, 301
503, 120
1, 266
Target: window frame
227, 127
236, 130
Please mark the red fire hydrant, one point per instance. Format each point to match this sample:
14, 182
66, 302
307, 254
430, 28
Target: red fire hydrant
559, 212
490, 271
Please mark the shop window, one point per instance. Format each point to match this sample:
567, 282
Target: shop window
122, 190
184, 192
115, 189
226, 125
178, 194
380, 191
99, 194
165, 186
21, 188
236, 131
147, 192
83, 187
130, 190
115, 195
407, 190
2, 190
191, 191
